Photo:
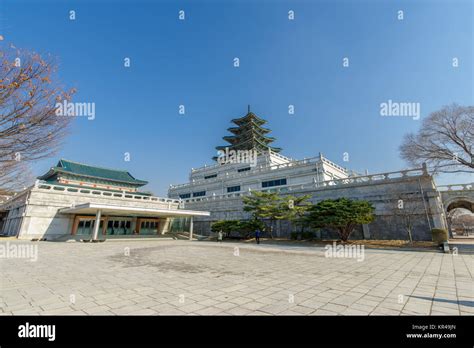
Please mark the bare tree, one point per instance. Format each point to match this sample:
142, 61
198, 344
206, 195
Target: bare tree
15, 176
445, 141
408, 211
29, 127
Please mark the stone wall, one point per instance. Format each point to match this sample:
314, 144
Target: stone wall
418, 193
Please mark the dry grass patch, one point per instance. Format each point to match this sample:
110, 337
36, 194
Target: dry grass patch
368, 243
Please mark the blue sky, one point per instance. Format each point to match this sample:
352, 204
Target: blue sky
282, 62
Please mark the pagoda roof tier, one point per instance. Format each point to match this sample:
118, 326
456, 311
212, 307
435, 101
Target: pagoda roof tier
248, 127
249, 117
250, 144
236, 139
249, 135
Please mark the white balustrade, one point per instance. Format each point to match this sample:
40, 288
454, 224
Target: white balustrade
363, 179
456, 187
129, 196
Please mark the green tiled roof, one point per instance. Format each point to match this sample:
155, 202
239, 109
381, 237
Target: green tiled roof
88, 171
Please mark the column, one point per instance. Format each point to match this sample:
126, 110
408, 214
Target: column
96, 224
191, 229
133, 224
75, 224
163, 226
138, 225
104, 226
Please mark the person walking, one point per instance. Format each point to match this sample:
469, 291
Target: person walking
219, 237
257, 236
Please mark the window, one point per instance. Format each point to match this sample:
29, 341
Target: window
233, 188
210, 176
271, 183
199, 194
185, 195
243, 169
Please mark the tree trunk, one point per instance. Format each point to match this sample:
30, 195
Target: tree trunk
346, 232
342, 235
300, 233
410, 237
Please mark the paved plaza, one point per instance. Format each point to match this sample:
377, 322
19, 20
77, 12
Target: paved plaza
168, 277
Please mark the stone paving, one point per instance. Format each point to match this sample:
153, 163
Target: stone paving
169, 277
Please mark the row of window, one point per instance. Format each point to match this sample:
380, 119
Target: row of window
233, 188
210, 176
270, 183
94, 181
194, 194
118, 224
149, 224
243, 169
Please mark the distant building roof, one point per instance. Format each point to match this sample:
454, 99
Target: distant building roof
85, 170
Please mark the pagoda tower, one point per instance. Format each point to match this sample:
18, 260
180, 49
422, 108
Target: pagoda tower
249, 135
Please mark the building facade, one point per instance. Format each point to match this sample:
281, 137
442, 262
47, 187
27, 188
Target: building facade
219, 188
249, 163
74, 200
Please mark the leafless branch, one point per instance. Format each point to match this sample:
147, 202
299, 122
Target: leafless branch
445, 141
29, 127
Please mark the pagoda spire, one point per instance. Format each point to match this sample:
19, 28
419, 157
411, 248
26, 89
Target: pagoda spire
249, 134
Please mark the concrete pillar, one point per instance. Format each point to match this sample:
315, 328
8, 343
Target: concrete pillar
191, 226
133, 225
104, 226
138, 225
75, 224
96, 224
164, 225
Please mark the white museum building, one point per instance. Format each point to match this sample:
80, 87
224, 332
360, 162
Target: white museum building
79, 201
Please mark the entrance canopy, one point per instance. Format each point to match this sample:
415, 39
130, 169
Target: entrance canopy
93, 208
